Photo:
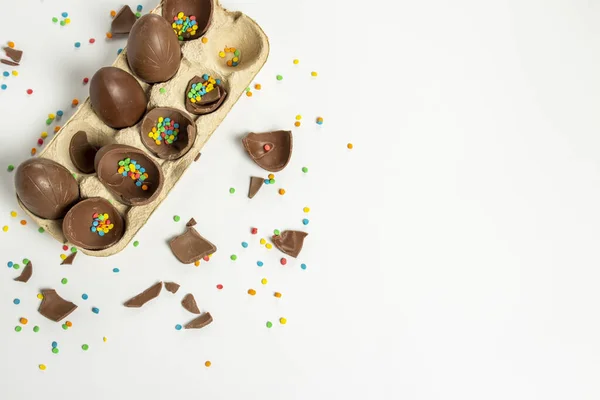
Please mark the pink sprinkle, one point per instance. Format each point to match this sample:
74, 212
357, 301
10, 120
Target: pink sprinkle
175, 18
283, 261
206, 258
29, 91
193, 18
267, 147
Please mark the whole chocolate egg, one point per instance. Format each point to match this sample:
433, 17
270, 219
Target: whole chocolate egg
153, 50
117, 98
46, 188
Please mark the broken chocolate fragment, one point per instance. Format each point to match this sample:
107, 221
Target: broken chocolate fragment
197, 157
190, 246
151, 293
255, 185
69, 259
8, 62
209, 102
82, 152
55, 307
26, 274
290, 242
191, 222
123, 21
172, 287
13, 54
200, 322
189, 303
270, 150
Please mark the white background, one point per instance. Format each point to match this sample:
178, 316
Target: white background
452, 254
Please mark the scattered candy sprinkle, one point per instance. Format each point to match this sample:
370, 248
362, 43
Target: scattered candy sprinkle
282, 191
13, 214
263, 241
74, 103
18, 328
298, 117
276, 232
5, 73
264, 281
304, 169
69, 324
305, 221
178, 327
140, 8
176, 218
244, 245
296, 61
23, 321
197, 263
55, 20
65, 326
15, 73
257, 86
86, 79
165, 130
10, 264
269, 246
319, 120
64, 281
36, 329
29, 91
136, 243
92, 40
129, 167
55, 350
11, 45
41, 230
313, 73
116, 270
204, 40
207, 364
109, 36
40, 296
303, 266
42, 367
297, 124
63, 256
84, 296
251, 292
3, 87
233, 257
279, 77
254, 231
259, 263
77, 44
10, 168
283, 261
277, 294
350, 146
17, 301
249, 94
219, 286
23, 222
184, 26
113, 13
85, 347
65, 14
65, 247
104, 339
282, 321
232, 190
16, 266
269, 324
95, 310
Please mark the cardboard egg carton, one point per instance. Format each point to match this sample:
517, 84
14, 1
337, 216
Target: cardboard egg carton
227, 29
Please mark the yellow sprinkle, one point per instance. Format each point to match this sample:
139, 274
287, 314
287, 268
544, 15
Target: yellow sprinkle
251, 292
160, 119
350, 146
263, 281
63, 256
13, 214
197, 263
296, 61
204, 40
44, 135
180, 15
207, 364
51, 116
282, 321
313, 73
235, 59
40, 296
222, 54
42, 367
15, 73
277, 294
269, 246
67, 21
104, 339
150, 134
271, 176
298, 117
263, 241
5, 228
306, 209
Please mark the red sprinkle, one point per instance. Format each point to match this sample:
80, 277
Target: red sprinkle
219, 286
92, 40
65, 247
254, 231
86, 80
267, 147
283, 261
29, 91
40, 141
205, 258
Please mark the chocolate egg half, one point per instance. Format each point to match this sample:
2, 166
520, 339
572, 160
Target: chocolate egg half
117, 98
183, 141
93, 224
202, 10
153, 51
46, 188
113, 164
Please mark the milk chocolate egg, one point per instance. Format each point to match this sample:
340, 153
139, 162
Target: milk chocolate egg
153, 50
93, 224
46, 188
117, 98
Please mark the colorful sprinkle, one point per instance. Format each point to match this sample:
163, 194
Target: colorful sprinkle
18, 328
23, 321
29, 91
77, 44
232, 190
254, 231
207, 364
251, 292
277, 294
116, 270
297, 124
55, 350
283, 261
165, 130
176, 218
139, 8
219, 286
305, 221
92, 40
263, 241
296, 61
303, 266
184, 26
178, 327
197, 90
136, 243
16, 266
279, 77
10, 168
36, 329
16, 301
86, 79
15, 73
113, 13
269, 246
40, 296
64, 281
282, 321
244, 245
233, 257
95, 310
10, 264
257, 86
281, 191
162, 90
5, 73
249, 94
65, 14
3, 87
314, 73
74, 102
23, 222
319, 120
276, 232
84, 296
264, 281
260, 263
350, 146
11, 45
205, 40
100, 224
137, 173
269, 324
42, 367
85, 347
41, 230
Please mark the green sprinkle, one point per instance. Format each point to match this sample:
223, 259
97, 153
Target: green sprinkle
36, 329
304, 169
162, 90
276, 232
85, 347
65, 327
233, 257
16, 266
247, 89
73, 249
236, 53
49, 121
137, 15
41, 230
11, 168
54, 19
64, 281
55, 350
271, 181
18, 328
62, 23
136, 243
74, 175
176, 218
25, 261
279, 77
232, 190
269, 324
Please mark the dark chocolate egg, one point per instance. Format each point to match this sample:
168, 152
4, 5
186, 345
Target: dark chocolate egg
153, 50
129, 188
117, 98
46, 188
93, 224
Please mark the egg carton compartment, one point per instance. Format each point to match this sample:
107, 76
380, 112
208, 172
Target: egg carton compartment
227, 28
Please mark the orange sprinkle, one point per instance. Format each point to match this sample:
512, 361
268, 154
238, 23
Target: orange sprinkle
74, 102
257, 86
350, 146
23, 222
282, 191
297, 123
33, 151
197, 262
249, 94
277, 294
69, 324
251, 292
23, 321
113, 13
204, 40
207, 364
108, 35
56, 129
144, 187
11, 45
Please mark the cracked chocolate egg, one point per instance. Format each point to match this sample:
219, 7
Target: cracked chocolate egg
200, 104
46, 188
129, 174
188, 14
93, 224
153, 50
168, 133
117, 98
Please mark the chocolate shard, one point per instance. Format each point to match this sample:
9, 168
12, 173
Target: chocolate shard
26, 274
290, 242
123, 21
69, 259
197, 157
13, 54
8, 62
189, 303
191, 222
54, 307
270, 150
190, 246
151, 293
172, 287
82, 152
255, 185
200, 322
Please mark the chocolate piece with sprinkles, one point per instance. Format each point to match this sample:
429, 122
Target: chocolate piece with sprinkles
290, 242
270, 150
69, 259
190, 246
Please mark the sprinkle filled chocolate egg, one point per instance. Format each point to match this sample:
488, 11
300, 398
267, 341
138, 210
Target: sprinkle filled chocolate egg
153, 50
168, 133
117, 98
93, 224
189, 19
46, 188
129, 174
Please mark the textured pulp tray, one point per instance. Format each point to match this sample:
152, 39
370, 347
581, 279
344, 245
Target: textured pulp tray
228, 29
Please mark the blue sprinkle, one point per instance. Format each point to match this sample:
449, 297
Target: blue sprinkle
115, 270
142, 170
93, 229
259, 263
266, 181
5, 73
124, 173
16, 301
119, 51
95, 310
176, 125
54, 345
205, 77
138, 183
218, 81
303, 266
77, 44
65, 14
59, 113
319, 122
84, 296
133, 162
178, 327
305, 221
100, 233
95, 223
3, 87
140, 8
244, 244
10, 264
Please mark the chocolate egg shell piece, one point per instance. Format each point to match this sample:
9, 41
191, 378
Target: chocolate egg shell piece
82, 152
290, 242
200, 322
123, 21
149, 294
117, 98
153, 50
255, 185
189, 303
210, 102
55, 307
46, 188
185, 138
123, 187
26, 274
270, 150
201, 9
78, 222
190, 246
